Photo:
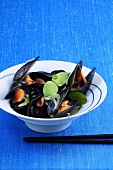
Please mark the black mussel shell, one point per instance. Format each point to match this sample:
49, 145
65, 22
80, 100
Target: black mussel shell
19, 75
37, 111
43, 75
19, 109
73, 75
35, 90
53, 105
40, 75
89, 79
14, 86
22, 110
21, 106
56, 71
76, 82
66, 112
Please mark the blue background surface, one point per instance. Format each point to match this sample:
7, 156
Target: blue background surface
60, 30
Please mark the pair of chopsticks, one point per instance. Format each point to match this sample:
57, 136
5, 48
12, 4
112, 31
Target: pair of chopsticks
81, 139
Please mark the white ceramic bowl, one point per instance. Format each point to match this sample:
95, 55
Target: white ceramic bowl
95, 95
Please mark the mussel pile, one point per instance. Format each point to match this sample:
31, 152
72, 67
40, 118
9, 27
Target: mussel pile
48, 95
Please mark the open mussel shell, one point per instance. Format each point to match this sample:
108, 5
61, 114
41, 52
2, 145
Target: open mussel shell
37, 108
40, 77
19, 75
66, 112
75, 74
53, 105
20, 106
14, 86
77, 81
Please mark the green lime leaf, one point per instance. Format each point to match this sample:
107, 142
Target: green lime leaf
50, 89
60, 78
81, 98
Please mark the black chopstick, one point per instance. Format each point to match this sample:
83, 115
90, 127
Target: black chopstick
82, 139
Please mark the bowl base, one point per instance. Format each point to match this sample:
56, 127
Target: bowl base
48, 129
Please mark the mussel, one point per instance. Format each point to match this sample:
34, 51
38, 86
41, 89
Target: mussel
20, 100
40, 77
14, 86
61, 107
53, 105
78, 82
66, 108
37, 108
19, 77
